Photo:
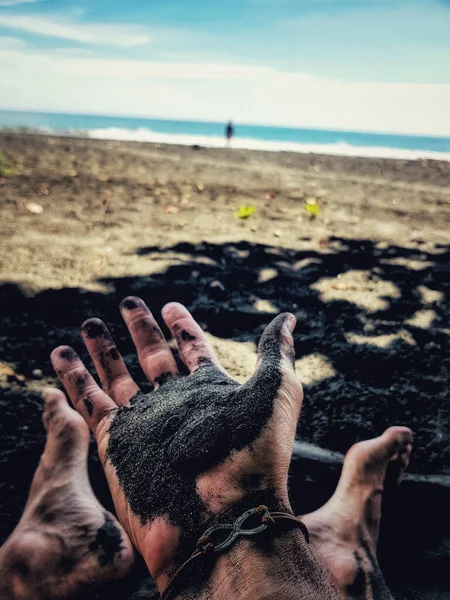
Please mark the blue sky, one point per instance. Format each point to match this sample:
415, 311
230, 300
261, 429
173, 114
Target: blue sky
366, 65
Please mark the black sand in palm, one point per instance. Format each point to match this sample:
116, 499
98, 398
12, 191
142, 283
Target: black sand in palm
165, 439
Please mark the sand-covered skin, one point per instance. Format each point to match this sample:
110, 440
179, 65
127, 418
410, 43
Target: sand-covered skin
368, 280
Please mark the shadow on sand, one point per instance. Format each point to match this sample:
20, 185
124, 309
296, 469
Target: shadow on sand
386, 366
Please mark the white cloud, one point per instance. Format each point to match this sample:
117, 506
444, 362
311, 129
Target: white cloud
134, 69
246, 93
14, 2
125, 36
11, 42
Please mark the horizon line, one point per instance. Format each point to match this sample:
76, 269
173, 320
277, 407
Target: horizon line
236, 123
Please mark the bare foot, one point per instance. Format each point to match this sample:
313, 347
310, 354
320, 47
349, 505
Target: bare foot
344, 532
65, 542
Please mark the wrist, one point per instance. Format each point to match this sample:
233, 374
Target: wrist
175, 546
273, 564
250, 541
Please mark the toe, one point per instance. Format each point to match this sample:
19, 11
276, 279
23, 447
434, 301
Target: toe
66, 446
367, 462
395, 442
67, 432
401, 441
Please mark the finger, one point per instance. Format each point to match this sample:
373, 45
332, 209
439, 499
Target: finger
155, 355
87, 398
114, 376
275, 369
195, 349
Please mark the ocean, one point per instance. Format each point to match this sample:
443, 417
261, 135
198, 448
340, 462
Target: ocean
253, 137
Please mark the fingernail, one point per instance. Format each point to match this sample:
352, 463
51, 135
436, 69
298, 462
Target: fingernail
64, 352
94, 328
131, 303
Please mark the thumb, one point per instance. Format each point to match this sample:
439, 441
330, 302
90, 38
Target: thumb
276, 346
275, 370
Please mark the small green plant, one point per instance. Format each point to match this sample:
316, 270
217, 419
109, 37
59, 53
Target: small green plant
7, 167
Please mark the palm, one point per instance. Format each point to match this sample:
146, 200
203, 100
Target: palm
195, 446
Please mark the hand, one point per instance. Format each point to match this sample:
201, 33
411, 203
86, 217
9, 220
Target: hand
195, 447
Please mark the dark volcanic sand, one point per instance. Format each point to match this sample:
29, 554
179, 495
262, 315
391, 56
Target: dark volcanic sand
369, 280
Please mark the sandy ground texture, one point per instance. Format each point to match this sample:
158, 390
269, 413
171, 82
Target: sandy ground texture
85, 222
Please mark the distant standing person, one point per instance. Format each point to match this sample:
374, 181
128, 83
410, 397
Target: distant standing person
229, 132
